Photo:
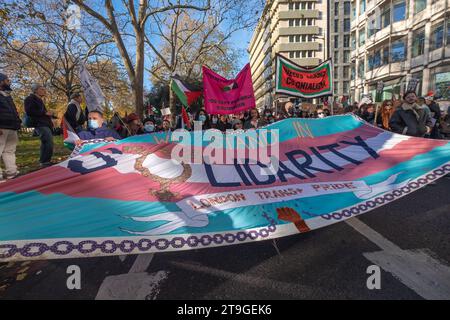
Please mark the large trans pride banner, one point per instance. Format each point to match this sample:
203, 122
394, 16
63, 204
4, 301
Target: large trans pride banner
130, 197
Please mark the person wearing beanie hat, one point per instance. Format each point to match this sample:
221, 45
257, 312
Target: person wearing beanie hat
9, 125
41, 120
134, 124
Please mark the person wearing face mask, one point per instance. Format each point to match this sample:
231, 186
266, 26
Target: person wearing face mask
214, 121
97, 129
410, 119
9, 125
320, 114
41, 120
203, 118
149, 125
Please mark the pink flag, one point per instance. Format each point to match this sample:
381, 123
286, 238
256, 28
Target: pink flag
223, 96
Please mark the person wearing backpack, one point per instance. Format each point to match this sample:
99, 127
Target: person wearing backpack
9, 125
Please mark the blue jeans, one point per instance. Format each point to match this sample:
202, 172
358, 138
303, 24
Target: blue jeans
46, 136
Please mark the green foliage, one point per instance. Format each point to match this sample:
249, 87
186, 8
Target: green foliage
27, 154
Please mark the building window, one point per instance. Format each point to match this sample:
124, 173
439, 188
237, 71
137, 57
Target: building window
385, 17
399, 11
353, 41
448, 33
291, 39
398, 51
336, 41
362, 6
291, 22
336, 57
437, 36
385, 57
291, 6
362, 36
336, 72
336, 9
419, 5
346, 41
292, 54
352, 72
372, 26
353, 7
346, 56
346, 8
336, 25
361, 69
345, 87
346, 72
346, 25
418, 46
377, 59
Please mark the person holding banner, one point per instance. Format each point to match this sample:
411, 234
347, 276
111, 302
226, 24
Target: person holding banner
97, 129
409, 119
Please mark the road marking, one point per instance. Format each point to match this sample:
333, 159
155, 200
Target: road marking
141, 263
285, 288
137, 284
416, 269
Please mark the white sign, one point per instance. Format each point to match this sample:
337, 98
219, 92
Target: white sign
92, 91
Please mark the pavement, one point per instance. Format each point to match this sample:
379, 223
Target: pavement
407, 240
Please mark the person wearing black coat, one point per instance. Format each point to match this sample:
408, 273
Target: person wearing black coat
435, 114
41, 120
409, 119
9, 125
74, 115
223, 124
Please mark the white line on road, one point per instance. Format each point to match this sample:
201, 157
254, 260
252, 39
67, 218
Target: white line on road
137, 284
417, 270
285, 288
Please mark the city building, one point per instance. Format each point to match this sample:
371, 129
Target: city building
296, 29
339, 31
400, 42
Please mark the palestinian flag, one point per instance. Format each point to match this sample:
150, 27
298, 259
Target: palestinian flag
70, 137
230, 87
185, 92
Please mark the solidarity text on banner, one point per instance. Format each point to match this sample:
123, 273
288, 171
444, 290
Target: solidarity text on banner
132, 196
295, 80
223, 96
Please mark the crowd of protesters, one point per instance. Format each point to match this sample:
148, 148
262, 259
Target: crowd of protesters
413, 115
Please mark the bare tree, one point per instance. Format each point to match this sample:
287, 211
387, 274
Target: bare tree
186, 42
39, 34
135, 16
